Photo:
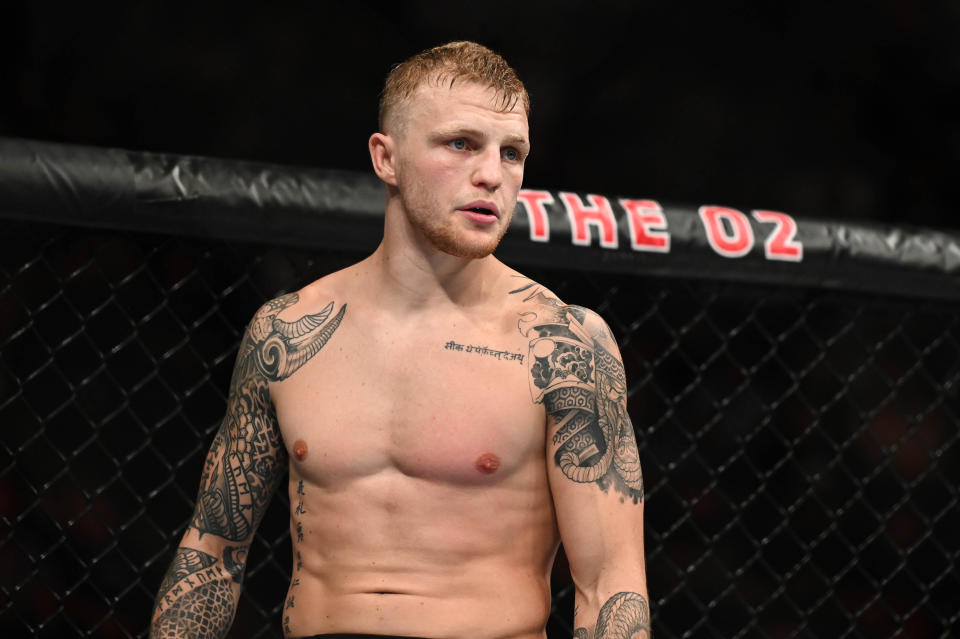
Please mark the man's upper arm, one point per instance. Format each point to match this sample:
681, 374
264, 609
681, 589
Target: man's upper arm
243, 467
246, 459
593, 466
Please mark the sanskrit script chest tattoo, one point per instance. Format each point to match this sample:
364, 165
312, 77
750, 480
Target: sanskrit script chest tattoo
506, 356
583, 387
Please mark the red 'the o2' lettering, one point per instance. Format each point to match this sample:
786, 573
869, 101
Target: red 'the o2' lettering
647, 226
782, 243
535, 204
728, 230
584, 216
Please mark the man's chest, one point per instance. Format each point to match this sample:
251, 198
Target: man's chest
451, 406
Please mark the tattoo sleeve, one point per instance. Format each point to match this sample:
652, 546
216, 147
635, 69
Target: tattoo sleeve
583, 387
626, 615
248, 459
196, 598
246, 462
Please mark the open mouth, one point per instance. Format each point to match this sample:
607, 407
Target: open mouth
482, 209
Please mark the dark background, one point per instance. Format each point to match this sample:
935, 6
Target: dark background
800, 446
832, 110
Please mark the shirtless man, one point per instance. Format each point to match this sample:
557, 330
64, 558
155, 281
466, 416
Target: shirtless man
446, 422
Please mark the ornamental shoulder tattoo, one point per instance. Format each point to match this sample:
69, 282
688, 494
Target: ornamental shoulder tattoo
582, 385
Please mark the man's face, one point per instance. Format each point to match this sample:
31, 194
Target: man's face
459, 166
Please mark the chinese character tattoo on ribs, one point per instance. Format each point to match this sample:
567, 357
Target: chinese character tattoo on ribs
583, 387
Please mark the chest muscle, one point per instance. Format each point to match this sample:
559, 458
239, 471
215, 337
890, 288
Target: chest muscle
420, 407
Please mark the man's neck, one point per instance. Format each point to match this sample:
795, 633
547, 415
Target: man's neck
412, 278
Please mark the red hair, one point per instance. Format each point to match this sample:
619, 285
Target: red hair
447, 64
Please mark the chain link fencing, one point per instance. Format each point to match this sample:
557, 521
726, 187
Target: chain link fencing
800, 446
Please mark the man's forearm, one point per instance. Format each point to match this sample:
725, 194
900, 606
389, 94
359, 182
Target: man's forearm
198, 596
625, 615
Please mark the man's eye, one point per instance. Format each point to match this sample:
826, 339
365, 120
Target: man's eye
459, 144
511, 155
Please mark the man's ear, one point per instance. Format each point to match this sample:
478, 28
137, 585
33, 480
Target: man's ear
382, 155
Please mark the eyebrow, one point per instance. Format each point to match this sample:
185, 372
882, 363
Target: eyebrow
518, 140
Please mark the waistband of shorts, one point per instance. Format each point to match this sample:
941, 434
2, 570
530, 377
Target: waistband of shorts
348, 635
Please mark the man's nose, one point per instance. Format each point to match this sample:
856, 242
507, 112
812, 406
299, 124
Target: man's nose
488, 171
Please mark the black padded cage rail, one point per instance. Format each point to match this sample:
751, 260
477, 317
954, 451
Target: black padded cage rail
793, 384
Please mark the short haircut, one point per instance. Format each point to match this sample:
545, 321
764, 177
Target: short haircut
446, 64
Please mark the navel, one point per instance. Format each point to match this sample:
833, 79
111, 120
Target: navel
300, 449
487, 463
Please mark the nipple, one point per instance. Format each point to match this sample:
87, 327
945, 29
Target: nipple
300, 450
487, 463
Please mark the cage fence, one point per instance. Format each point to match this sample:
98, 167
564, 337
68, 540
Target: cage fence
799, 442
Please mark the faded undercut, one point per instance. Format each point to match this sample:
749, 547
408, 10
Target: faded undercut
447, 64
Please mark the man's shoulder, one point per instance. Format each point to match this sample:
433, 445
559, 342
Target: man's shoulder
543, 308
527, 292
308, 300
531, 294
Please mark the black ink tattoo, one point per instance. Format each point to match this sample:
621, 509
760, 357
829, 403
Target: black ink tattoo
623, 616
235, 561
205, 611
246, 462
185, 562
298, 564
195, 598
290, 603
247, 458
526, 287
583, 387
483, 350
